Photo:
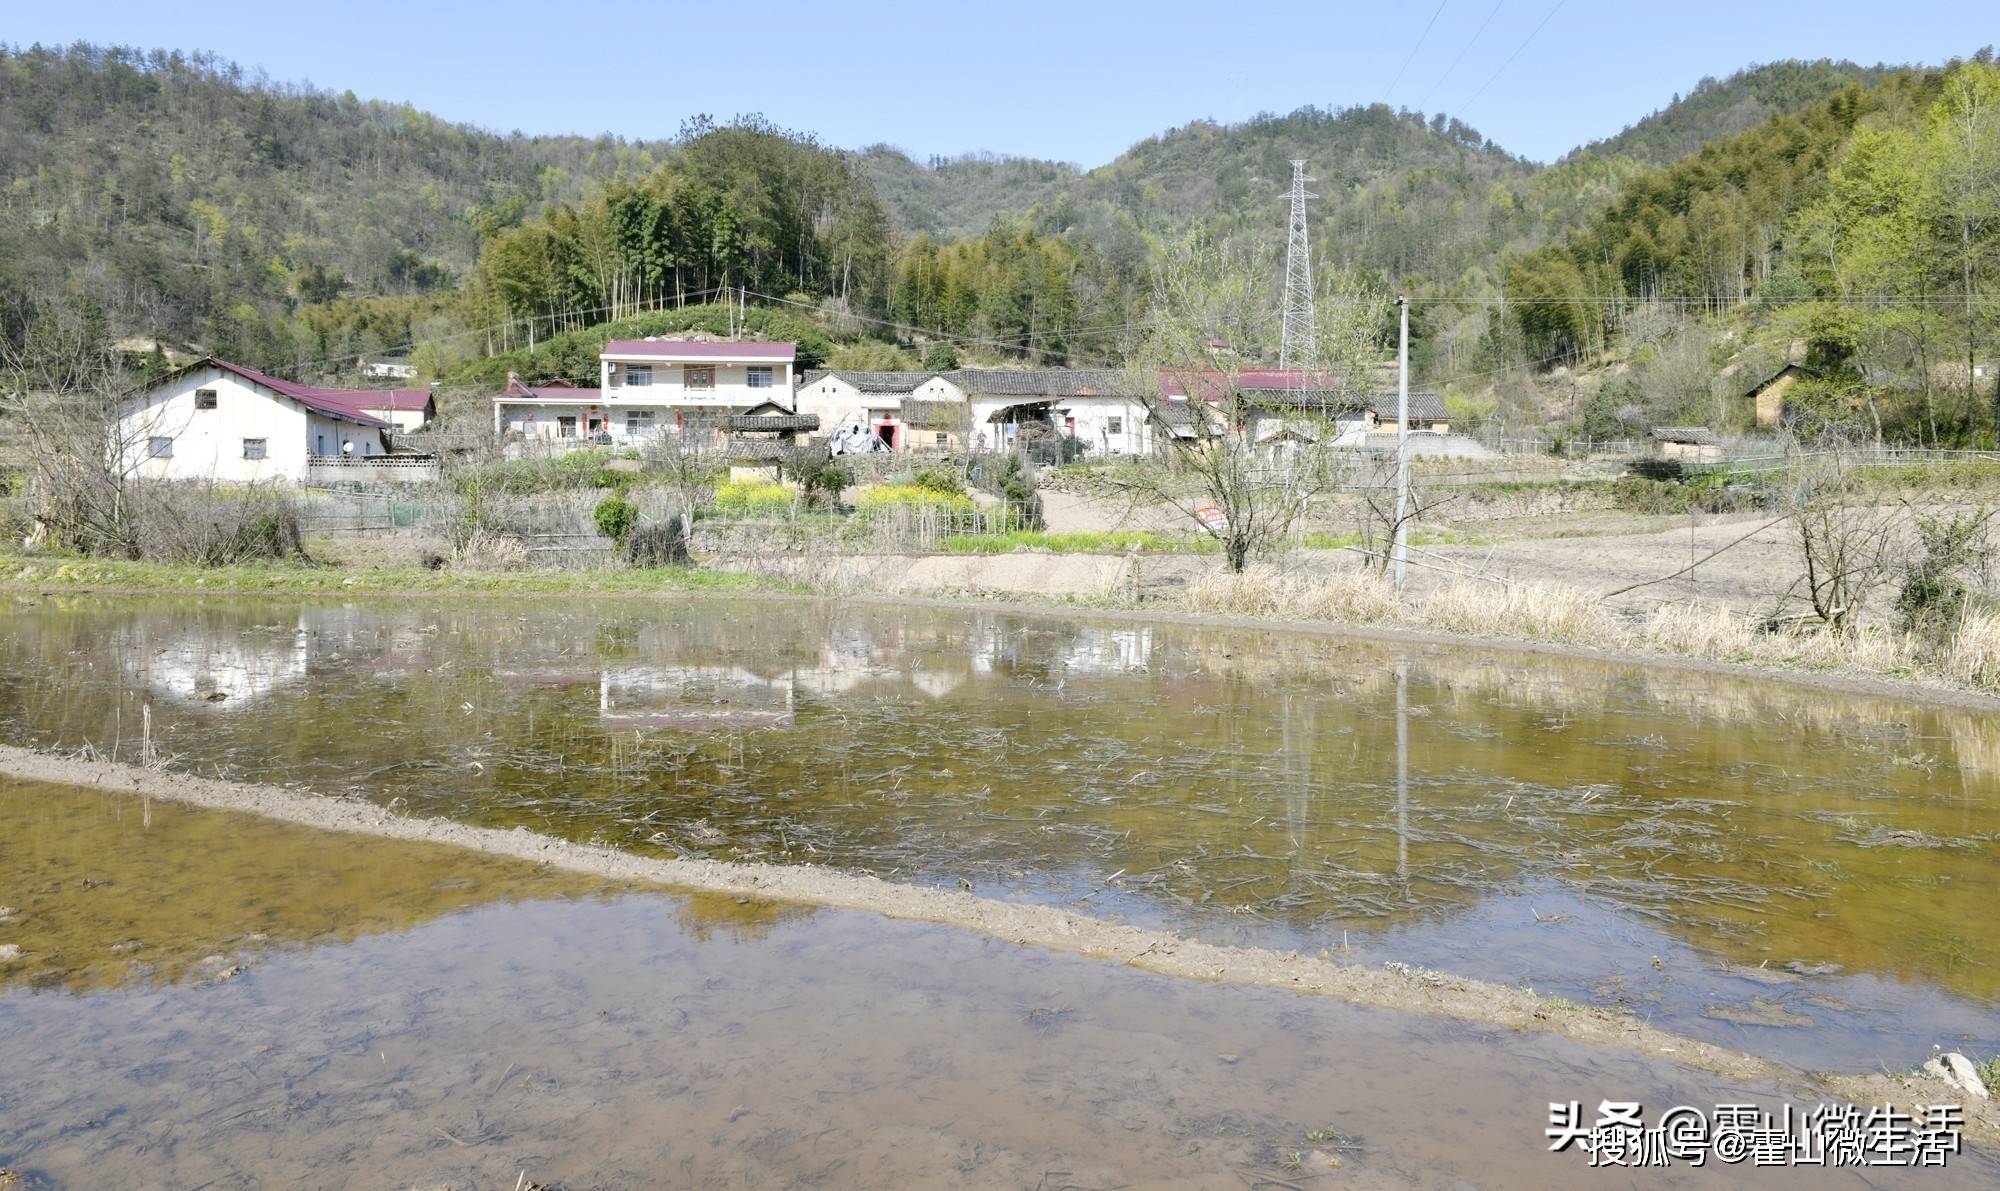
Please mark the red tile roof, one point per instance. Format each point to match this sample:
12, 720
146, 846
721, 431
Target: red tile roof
703, 349
343, 404
400, 400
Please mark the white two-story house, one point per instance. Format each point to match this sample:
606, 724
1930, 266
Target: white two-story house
649, 387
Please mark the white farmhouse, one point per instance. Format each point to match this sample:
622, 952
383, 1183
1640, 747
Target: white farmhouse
649, 387
405, 409
213, 420
902, 410
1090, 406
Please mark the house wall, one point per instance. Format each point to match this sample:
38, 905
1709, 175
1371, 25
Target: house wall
208, 443
404, 420
1090, 421
542, 419
732, 385
326, 436
837, 403
1771, 400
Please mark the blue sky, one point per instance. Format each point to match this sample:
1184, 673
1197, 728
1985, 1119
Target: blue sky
1075, 81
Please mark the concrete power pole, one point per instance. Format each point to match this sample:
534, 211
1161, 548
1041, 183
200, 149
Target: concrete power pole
1400, 552
1298, 347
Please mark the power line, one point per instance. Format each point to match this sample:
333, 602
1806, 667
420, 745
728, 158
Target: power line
1461, 55
1510, 60
1413, 50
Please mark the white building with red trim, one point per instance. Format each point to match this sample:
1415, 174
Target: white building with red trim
648, 387
214, 420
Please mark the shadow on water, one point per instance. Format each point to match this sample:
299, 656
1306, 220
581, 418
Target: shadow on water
1798, 873
530, 1026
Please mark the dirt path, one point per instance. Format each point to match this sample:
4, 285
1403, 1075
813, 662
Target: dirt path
1390, 986
1749, 576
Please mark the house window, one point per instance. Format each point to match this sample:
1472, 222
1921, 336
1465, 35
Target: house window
759, 376
253, 448
566, 426
943, 440
159, 448
1114, 425
204, 398
638, 376
700, 376
638, 421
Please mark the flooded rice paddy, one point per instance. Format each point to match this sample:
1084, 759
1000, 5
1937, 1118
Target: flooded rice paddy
310, 1009
1797, 873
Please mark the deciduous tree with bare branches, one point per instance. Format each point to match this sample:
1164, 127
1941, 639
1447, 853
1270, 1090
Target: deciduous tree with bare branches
1245, 458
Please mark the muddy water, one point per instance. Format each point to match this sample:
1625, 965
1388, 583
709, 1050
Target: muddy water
481, 1023
1796, 873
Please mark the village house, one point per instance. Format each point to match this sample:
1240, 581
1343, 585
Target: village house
557, 411
856, 405
1767, 394
1089, 406
214, 420
404, 409
1286, 406
650, 387
1686, 444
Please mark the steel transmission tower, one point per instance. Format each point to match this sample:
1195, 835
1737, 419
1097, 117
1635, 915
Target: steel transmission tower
1298, 347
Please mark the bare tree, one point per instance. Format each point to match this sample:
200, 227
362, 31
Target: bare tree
1845, 542
1248, 449
61, 395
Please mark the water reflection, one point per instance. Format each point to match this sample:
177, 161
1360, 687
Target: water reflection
105, 890
1286, 790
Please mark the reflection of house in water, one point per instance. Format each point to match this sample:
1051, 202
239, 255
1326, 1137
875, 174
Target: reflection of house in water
693, 698
223, 664
1103, 649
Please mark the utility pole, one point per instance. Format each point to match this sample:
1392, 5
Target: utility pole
1400, 550
1298, 346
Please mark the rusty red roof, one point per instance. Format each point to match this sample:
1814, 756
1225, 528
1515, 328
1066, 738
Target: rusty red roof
342, 404
703, 349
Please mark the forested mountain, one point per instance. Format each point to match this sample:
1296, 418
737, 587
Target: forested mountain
952, 197
1865, 227
193, 200
296, 229
1717, 109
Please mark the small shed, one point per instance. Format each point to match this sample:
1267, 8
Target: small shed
1767, 394
1686, 444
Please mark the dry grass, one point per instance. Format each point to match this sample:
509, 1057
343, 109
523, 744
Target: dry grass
484, 551
1974, 655
1546, 612
1360, 597
1536, 611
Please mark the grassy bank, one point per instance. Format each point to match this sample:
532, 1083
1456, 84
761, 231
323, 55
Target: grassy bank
48, 573
1969, 658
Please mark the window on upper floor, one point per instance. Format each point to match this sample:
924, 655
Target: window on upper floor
204, 398
160, 448
638, 376
254, 448
758, 376
700, 376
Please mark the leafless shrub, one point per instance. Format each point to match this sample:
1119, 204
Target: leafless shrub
1245, 493
1844, 541
215, 525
